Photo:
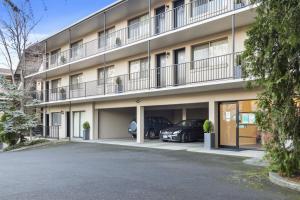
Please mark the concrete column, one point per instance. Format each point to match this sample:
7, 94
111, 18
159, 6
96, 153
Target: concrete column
213, 117
44, 121
183, 113
96, 123
140, 124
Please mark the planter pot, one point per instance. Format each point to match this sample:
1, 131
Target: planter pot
86, 134
1, 146
209, 140
119, 89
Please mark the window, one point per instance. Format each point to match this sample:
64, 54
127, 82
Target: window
110, 35
56, 119
138, 68
55, 84
76, 49
105, 73
138, 27
75, 81
54, 57
201, 53
78, 120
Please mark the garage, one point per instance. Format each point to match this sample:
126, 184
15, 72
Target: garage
113, 123
173, 114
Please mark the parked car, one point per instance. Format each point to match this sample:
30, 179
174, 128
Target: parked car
184, 131
152, 127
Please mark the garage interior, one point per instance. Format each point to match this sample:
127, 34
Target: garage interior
114, 122
177, 113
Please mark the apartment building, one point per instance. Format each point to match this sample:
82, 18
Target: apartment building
179, 59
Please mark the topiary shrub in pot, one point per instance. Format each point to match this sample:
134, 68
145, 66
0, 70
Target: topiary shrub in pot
86, 130
209, 136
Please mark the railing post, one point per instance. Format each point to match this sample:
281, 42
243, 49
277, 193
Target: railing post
85, 89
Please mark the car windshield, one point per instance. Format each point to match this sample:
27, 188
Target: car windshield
186, 123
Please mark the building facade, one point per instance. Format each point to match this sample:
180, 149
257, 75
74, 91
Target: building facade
177, 59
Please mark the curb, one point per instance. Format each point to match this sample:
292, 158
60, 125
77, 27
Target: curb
36, 146
283, 182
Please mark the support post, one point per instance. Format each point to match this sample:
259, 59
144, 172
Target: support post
184, 114
213, 117
148, 45
233, 43
140, 124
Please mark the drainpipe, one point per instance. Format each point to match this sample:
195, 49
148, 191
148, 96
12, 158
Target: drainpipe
104, 55
233, 43
149, 47
70, 103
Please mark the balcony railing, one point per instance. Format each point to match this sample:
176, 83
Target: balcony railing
181, 16
206, 70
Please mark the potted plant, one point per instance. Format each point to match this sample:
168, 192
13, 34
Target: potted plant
86, 130
62, 92
209, 136
118, 42
119, 86
63, 60
239, 4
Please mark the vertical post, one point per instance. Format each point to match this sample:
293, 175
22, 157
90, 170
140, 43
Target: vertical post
233, 43
46, 59
104, 55
212, 110
149, 47
140, 124
44, 122
184, 114
70, 104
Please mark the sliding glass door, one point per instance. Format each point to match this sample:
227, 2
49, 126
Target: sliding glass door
78, 120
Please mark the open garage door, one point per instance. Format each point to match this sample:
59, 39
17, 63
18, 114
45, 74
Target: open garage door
113, 123
175, 114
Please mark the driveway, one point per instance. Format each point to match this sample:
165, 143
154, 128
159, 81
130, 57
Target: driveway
100, 171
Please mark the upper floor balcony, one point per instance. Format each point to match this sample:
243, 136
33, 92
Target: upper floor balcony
147, 28
193, 74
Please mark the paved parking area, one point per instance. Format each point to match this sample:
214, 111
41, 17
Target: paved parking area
110, 172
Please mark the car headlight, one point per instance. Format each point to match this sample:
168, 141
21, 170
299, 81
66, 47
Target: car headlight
176, 133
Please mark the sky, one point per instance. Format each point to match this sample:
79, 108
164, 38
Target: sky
53, 15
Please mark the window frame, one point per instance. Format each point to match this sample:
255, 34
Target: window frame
142, 74
53, 114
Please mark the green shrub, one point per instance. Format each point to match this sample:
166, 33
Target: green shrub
25, 144
86, 125
9, 138
208, 126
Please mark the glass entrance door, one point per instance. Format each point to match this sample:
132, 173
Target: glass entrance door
161, 70
179, 67
228, 124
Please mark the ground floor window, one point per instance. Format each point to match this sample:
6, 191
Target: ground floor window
78, 120
56, 118
237, 124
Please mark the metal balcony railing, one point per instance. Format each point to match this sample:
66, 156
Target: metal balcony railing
172, 19
206, 70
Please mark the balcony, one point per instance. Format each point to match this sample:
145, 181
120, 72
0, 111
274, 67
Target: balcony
170, 20
224, 67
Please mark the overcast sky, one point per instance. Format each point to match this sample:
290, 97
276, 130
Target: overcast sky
57, 14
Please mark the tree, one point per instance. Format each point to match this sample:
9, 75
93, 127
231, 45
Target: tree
272, 59
14, 37
14, 123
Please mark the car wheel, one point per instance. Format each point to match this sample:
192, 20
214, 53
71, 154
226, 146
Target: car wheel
151, 134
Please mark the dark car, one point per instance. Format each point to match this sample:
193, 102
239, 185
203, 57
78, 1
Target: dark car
184, 131
152, 127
